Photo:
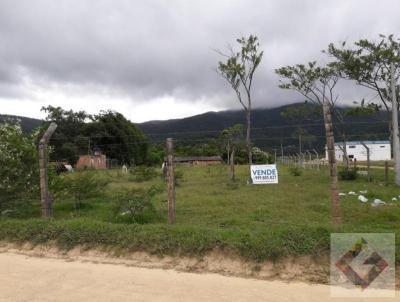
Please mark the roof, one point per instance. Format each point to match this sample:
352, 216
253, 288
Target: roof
197, 158
365, 142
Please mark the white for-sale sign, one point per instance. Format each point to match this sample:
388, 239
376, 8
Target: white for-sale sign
264, 174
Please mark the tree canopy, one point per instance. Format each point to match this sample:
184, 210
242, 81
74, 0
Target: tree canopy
79, 133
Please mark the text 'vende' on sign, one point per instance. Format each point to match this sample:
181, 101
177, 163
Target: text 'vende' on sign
264, 174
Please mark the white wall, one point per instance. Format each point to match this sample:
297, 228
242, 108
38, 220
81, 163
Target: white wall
378, 151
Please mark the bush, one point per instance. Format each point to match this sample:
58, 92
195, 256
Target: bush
295, 171
135, 205
348, 174
19, 171
261, 157
79, 186
143, 173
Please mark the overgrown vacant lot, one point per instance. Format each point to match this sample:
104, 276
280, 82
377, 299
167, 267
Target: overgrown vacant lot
257, 222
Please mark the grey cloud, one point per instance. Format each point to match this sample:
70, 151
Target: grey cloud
156, 48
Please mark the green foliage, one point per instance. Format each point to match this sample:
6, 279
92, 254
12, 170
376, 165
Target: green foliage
238, 70
19, 171
348, 174
110, 131
143, 173
209, 147
255, 222
234, 143
261, 157
368, 64
295, 171
80, 186
168, 240
135, 205
156, 154
240, 66
316, 83
119, 138
69, 140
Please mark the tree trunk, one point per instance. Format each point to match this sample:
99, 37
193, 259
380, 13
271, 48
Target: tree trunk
395, 127
232, 164
248, 141
330, 142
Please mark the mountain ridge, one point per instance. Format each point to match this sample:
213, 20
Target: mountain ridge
269, 128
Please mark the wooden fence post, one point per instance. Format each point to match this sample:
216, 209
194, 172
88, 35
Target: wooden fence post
368, 161
46, 203
386, 181
170, 180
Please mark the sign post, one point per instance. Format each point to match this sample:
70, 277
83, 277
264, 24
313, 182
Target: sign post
264, 174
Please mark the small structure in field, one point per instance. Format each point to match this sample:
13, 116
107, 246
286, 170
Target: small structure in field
62, 167
379, 150
96, 161
198, 160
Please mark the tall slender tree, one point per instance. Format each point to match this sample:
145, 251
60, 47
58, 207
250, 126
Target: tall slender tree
238, 69
235, 140
317, 84
376, 66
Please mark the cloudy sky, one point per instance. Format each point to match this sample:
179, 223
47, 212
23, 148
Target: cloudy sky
155, 59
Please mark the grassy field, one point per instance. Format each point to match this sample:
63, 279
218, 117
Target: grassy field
256, 221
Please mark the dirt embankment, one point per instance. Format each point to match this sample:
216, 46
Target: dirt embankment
91, 278
307, 268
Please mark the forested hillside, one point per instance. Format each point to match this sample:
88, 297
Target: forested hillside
270, 128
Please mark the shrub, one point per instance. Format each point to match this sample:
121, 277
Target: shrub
143, 173
135, 205
348, 174
19, 171
295, 171
79, 186
261, 157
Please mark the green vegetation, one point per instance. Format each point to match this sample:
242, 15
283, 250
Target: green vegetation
19, 175
295, 171
347, 174
79, 133
257, 222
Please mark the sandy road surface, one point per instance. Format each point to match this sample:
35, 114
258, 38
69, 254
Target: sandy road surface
24, 278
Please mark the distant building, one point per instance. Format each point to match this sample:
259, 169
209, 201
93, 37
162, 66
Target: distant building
198, 160
379, 150
95, 161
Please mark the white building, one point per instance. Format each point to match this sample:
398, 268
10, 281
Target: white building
378, 150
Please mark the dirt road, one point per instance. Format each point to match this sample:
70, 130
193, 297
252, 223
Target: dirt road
24, 278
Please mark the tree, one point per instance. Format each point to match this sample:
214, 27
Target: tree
317, 85
302, 113
79, 133
235, 141
19, 172
69, 141
136, 204
370, 64
238, 70
118, 138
